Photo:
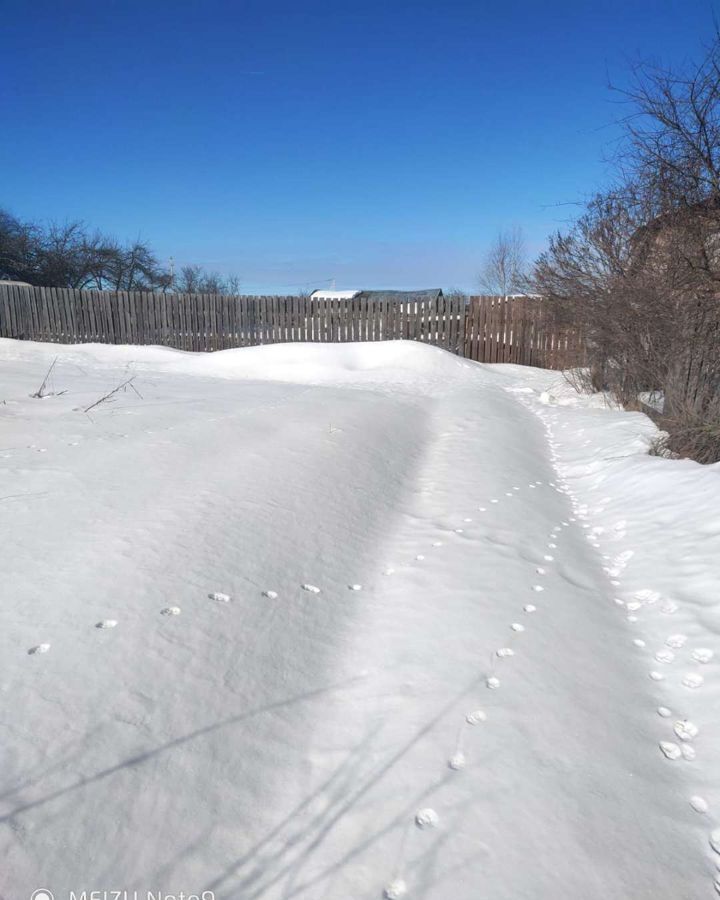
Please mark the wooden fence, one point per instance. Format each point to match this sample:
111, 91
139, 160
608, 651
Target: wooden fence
519, 330
487, 329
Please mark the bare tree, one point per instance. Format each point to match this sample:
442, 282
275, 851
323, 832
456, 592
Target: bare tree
673, 131
69, 255
196, 280
504, 267
640, 270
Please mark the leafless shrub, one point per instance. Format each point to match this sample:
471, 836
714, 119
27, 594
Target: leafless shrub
110, 396
639, 272
689, 436
42, 391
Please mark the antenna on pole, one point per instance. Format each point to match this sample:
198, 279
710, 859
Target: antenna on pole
332, 287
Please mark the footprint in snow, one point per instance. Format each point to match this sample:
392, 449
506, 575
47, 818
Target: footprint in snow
639, 642
170, 611
437, 543
311, 588
664, 712
665, 656
271, 595
503, 652
702, 655
699, 804
219, 597
693, 680
647, 596
529, 608
493, 683
395, 890
670, 749
538, 588
40, 648
106, 623
354, 587
427, 818
476, 717
656, 676
548, 558
420, 557
516, 626
457, 761
685, 730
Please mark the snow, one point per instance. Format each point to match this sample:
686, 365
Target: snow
334, 295
300, 736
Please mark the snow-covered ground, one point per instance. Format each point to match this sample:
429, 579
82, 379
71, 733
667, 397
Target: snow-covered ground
327, 621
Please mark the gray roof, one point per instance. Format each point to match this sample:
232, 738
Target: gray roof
426, 294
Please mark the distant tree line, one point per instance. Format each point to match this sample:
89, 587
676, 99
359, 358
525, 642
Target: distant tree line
73, 256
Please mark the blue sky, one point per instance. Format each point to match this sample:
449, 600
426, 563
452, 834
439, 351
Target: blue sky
382, 144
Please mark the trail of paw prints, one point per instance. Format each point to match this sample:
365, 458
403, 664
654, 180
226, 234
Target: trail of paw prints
425, 819
428, 818
678, 744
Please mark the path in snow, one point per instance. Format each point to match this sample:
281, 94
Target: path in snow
414, 678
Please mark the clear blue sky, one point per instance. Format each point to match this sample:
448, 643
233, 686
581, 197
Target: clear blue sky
380, 143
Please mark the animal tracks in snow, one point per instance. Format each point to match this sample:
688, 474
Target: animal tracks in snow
457, 761
685, 730
396, 890
427, 818
670, 749
676, 641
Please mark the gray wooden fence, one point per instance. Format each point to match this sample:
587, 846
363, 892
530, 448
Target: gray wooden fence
487, 329
215, 322
519, 330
